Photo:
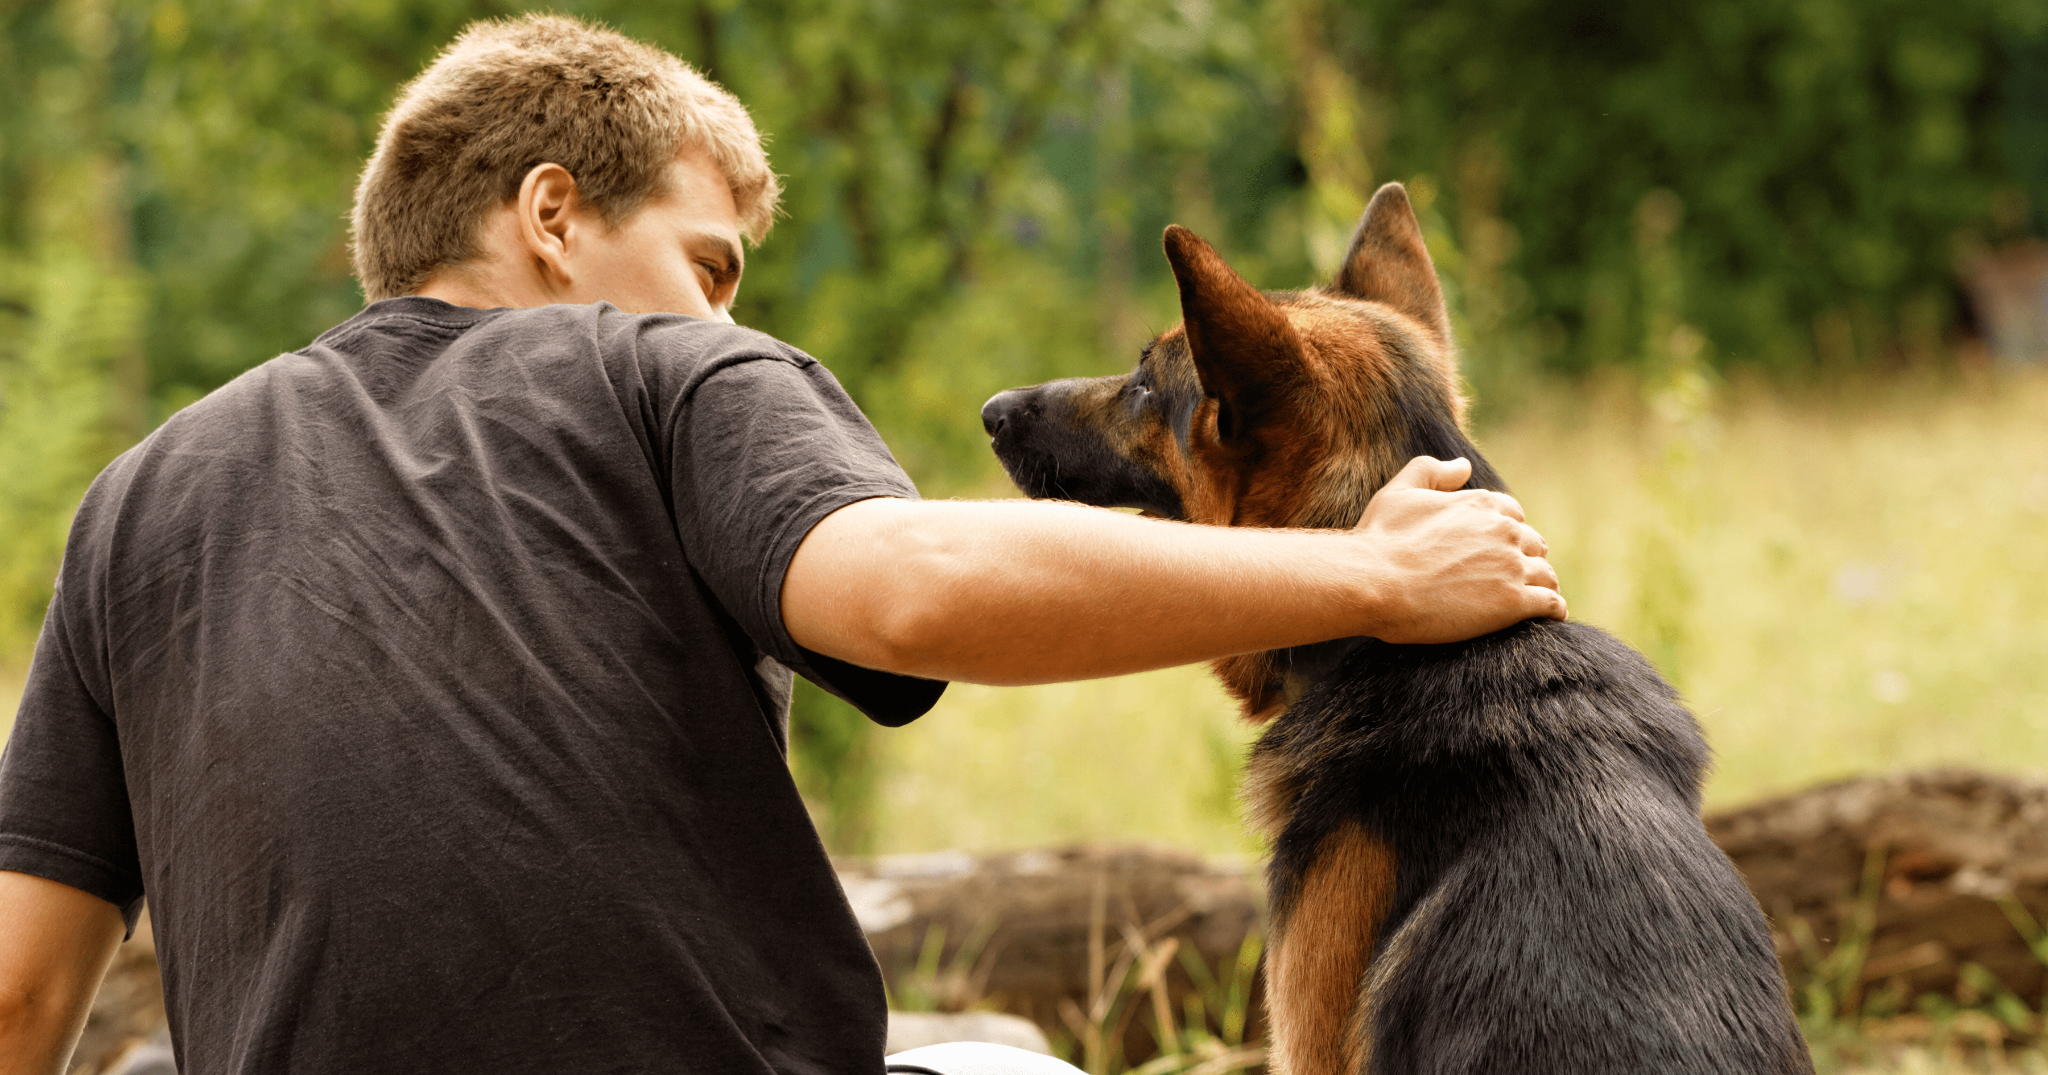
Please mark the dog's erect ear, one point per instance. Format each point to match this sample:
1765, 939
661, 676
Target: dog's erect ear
1388, 263
1246, 351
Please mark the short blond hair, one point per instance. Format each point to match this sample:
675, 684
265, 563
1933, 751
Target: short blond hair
509, 95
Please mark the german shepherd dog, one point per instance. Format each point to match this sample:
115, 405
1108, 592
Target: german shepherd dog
1487, 856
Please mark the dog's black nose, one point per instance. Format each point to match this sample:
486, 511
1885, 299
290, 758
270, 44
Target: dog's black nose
998, 410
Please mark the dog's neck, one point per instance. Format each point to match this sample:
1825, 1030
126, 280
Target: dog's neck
1266, 684
1291, 673
1303, 666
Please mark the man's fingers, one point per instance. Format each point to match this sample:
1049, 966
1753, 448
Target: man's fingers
1540, 591
1424, 472
1468, 594
1546, 603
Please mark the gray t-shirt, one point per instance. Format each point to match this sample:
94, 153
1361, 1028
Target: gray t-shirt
431, 683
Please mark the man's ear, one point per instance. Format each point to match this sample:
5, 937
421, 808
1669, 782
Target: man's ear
1246, 352
545, 209
1389, 263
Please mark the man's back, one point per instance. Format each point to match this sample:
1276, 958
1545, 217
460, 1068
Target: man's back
430, 660
417, 677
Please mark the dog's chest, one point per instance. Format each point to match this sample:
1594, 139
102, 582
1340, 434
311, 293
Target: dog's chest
1297, 751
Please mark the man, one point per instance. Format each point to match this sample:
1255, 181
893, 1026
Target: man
431, 681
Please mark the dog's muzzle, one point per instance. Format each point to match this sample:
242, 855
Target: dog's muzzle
1051, 455
997, 412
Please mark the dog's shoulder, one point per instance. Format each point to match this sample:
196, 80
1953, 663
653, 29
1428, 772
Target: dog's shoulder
1558, 689
1461, 739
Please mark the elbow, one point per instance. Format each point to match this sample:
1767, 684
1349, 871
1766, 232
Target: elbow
898, 643
919, 623
914, 637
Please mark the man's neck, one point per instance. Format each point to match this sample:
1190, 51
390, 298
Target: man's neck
483, 295
488, 281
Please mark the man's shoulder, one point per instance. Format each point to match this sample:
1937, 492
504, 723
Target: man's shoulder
357, 356
672, 335
600, 325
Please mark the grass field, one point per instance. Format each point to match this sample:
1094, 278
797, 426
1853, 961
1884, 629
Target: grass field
1840, 580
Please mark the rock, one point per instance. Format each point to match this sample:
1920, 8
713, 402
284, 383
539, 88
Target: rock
1049, 934
1891, 883
152, 1056
1941, 868
977, 1058
915, 1030
129, 1011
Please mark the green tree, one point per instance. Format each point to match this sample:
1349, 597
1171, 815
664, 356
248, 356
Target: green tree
174, 183
1829, 156
973, 192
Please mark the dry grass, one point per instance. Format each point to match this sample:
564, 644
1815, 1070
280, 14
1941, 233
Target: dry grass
1924, 1061
1858, 580
1152, 757
1841, 581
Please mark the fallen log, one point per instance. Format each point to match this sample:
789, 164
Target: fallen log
1068, 937
1898, 883
1877, 886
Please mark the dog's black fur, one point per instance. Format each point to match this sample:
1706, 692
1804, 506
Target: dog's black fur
1557, 905
1487, 856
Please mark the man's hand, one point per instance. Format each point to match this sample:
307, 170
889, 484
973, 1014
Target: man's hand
1459, 564
55, 944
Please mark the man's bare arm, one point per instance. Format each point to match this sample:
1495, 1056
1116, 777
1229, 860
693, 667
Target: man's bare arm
1015, 592
55, 944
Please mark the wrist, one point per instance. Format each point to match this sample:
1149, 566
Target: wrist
1375, 602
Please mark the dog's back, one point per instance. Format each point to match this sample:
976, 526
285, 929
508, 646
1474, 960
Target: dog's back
1555, 905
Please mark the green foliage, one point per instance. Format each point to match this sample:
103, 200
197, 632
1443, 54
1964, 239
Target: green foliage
1196, 1026
1129, 981
1837, 1008
833, 759
62, 336
973, 191
71, 372
1829, 156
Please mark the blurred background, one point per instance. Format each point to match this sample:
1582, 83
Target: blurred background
1752, 300
1749, 292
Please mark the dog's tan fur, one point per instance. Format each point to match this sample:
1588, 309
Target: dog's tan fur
1315, 962
1286, 464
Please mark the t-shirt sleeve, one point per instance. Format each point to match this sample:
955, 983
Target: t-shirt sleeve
762, 449
64, 811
